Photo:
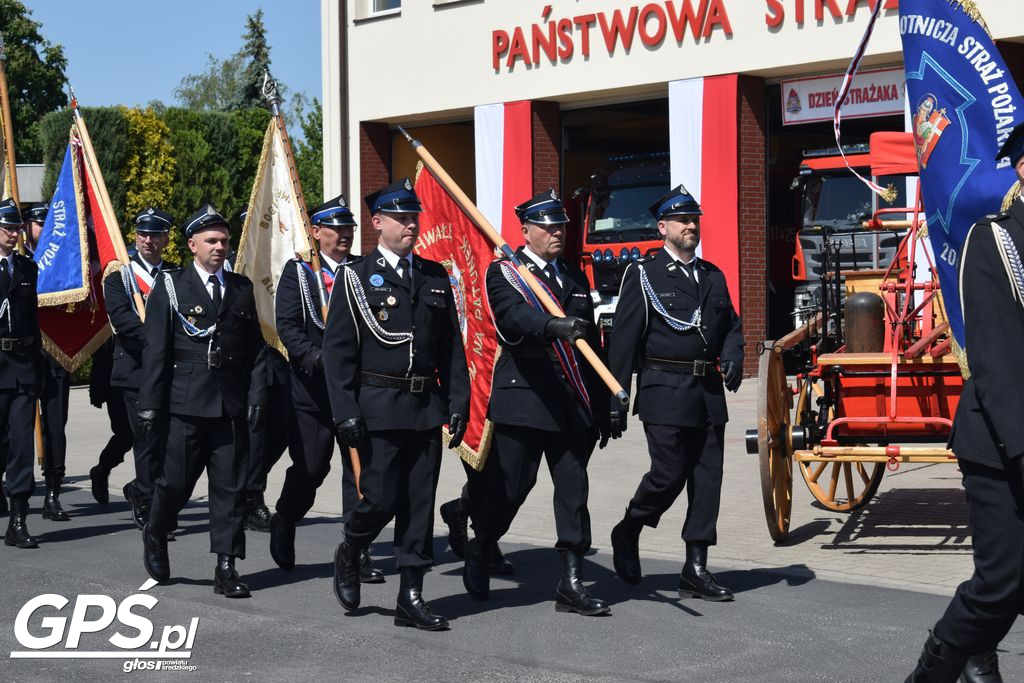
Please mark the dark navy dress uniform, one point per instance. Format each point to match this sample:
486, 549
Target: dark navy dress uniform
202, 383
126, 372
988, 440
20, 344
674, 331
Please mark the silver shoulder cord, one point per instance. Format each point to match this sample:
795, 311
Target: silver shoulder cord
307, 298
514, 281
355, 289
675, 323
190, 329
1011, 261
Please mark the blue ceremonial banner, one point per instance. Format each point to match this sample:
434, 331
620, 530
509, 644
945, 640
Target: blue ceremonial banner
62, 252
962, 98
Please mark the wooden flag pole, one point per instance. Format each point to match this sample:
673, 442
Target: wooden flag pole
497, 240
106, 206
270, 92
8, 124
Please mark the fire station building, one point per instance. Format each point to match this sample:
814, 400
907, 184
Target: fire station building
723, 96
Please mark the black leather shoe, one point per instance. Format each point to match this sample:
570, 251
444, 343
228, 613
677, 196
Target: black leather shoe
52, 508
346, 575
696, 581
500, 566
140, 508
226, 580
257, 516
282, 542
983, 668
939, 663
626, 550
368, 572
17, 531
458, 521
476, 571
154, 554
98, 485
412, 609
571, 595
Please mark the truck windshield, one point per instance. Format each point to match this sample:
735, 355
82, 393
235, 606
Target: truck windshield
615, 210
836, 201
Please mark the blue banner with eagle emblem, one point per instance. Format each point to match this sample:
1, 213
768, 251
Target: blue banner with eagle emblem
964, 104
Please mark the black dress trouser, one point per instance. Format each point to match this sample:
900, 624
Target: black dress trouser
219, 446
53, 404
17, 412
682, 457
121, 433
985, 606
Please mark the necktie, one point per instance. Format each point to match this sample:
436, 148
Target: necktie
688, 267
216, 293
552, 274
155, 272
5, 275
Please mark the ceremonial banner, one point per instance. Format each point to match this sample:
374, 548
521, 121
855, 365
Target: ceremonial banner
274, 230
448, 236
963, 100
75, 249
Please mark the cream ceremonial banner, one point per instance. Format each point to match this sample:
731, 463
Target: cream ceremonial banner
274, 230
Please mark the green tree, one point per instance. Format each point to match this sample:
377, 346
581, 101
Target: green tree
309, 154
35, 77
215, 89
255, 61
148, 172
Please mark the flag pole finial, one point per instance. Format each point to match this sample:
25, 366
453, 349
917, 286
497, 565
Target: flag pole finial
270, 93
412, 141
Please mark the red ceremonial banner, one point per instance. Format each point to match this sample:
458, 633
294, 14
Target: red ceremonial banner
72, 332
448, 236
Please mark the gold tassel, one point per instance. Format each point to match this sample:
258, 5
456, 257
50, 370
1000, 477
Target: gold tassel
1010, 197
971, 9
961, 359
890, 194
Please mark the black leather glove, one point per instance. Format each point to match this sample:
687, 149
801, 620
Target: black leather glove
457, 428
256, 418
732, 375
617, 423
146, 423
351, 432
568, 328
604, 430
95, 398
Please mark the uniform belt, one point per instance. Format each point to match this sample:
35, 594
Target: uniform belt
697, 368
215, 358
15, 343
414, 385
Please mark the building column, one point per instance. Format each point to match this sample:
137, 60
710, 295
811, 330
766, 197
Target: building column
753, 236
374, 173
546, 133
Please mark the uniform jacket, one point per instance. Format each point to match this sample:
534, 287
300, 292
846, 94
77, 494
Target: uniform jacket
988, 428
640, 332
126, 371
21, 367
529, 388
175, 373
299, 325
426, 309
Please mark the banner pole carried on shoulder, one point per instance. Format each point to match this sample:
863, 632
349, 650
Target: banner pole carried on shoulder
106, 206
478, 219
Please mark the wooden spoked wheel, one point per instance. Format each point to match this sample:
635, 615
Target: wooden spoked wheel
843, 486
775, 455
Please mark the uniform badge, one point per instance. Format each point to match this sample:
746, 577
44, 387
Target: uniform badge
198, 310
408, 185
376, 280
392, 301
210, 211
383, 315
150, 211
191, 320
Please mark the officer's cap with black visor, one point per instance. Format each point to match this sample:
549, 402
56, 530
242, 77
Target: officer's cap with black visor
544, 208
1014, 145
153, 221
398, 197
678, 202
10, 216
37, 212
334, 213
204, 219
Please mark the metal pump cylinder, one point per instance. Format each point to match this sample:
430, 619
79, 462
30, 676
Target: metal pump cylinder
865, 323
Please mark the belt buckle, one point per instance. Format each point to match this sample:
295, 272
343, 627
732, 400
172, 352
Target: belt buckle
6, 344
699, 368
213, 358
416, 385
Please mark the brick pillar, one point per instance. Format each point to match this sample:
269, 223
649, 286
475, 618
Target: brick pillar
546, 131
374, 173
753, 216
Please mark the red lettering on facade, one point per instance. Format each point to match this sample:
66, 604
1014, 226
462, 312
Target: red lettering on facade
619, 29
686, 16
777, 14
717, 16
583, 23
499, 44
519, 49
652, 14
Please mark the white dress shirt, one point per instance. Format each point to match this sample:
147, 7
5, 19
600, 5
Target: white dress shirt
205, 277
542, 264
395, 261
674, 255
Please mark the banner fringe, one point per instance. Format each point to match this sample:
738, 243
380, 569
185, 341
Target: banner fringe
72, 363
1011, 196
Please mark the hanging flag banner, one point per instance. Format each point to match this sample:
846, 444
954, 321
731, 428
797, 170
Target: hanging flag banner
448, 236
963, 99
274, 231
875, 93
62, 252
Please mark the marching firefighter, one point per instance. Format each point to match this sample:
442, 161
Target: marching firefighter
311, 435
202, 342
674, 314
396, 371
